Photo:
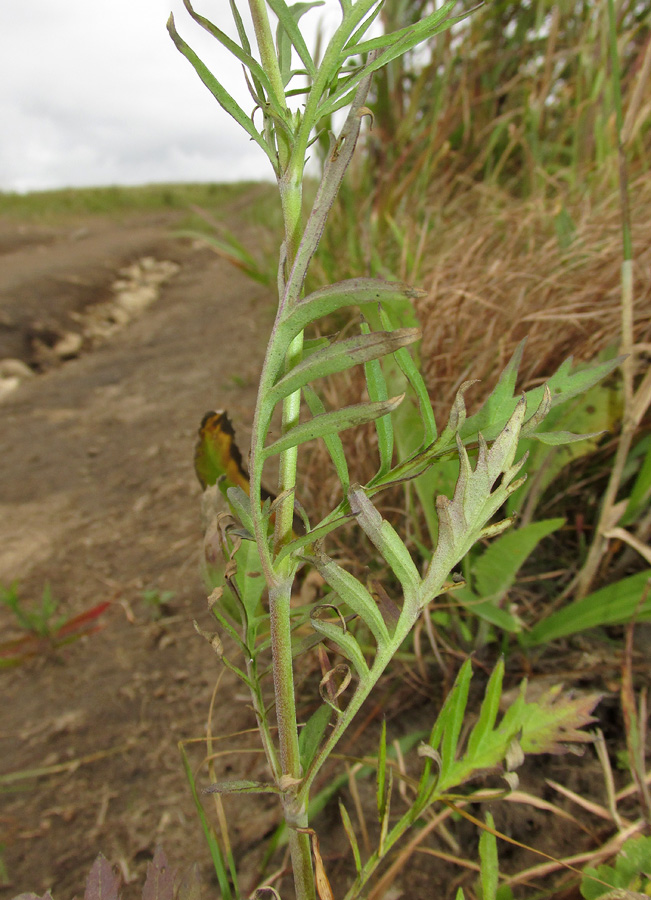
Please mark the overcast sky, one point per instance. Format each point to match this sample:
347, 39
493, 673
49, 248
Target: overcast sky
95, 93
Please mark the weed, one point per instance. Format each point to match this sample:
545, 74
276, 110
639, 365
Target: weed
258, 534
44, 633
631, 874
39, 620
157, 602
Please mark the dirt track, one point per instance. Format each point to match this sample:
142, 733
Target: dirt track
98, 498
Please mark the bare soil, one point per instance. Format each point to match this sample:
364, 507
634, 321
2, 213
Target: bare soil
99, 500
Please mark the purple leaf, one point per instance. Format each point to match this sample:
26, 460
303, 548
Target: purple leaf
159, 884
28, 895
103, 883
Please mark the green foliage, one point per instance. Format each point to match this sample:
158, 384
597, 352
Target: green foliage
493, 573
157, 601
639, 497
233, 250
66, 202
450, 762
631, 873
489, 869
614, 604
526, 727
38, 620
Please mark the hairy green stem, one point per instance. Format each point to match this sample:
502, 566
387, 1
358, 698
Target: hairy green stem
270, 65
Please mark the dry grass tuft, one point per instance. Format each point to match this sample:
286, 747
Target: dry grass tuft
498, 273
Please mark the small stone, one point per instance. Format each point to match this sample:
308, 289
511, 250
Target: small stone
69, 345
15, 368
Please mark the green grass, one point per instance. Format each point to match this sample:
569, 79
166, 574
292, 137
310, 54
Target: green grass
115, 200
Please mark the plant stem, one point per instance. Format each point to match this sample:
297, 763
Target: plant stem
269, 62
588, 572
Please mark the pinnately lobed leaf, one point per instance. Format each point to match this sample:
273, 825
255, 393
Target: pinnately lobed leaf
464, 519
565, 384
545, 726
555, 720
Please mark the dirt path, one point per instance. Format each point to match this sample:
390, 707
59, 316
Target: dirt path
98, 499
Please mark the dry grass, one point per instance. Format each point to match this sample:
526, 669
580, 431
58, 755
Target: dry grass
496, 273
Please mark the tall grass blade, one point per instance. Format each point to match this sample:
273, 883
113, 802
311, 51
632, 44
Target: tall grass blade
614, 604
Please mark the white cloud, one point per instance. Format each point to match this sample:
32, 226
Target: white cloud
96, 93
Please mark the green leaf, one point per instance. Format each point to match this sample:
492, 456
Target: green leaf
387, 40
381, 775
556, 438
249, 579
495, 570
239, 24
344, 640
631, 872
312, 733
332, 441
218, 91
615, 604
348, 828
340, 356
234, 251
242, 787
331, 423
640, 495
355, 39
489, 710
489, 869
354, 595
555, 720
464, 519
377, 391
596, 411
564, 385
241, 505
406, 40
330, 299
287, 21
285, 38
295, 547
243, 53
454, 717
387, 541
487, 610
219, 863
546, 726
412, 373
